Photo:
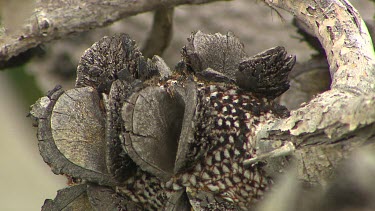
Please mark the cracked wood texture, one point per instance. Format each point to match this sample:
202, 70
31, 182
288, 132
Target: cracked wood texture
335, 123
55, 19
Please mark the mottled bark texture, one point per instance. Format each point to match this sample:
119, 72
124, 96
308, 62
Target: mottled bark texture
334, 123
55, 19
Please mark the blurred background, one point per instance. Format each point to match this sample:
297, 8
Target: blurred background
25, 180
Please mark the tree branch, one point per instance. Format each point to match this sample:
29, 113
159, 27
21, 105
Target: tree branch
344, 36
55, 19
338, 121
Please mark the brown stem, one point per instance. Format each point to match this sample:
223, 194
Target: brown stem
161, 33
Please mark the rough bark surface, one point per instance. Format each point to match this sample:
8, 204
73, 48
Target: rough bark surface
343, 35
335, 123
55, 19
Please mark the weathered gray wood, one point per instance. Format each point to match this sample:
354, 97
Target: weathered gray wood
326, 131
344, 37
56, 19
331, 132
337, 122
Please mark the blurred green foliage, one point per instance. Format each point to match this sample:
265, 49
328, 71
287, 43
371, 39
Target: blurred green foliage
25, 84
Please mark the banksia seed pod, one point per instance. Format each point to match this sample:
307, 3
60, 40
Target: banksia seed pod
137, 135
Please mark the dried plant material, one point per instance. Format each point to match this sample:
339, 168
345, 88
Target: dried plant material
266, 73
199, 56
105, 198
153, 120
178, 201
66, 160
149, 133
118, 162
112, 58
72, 198
77, 127
203, 136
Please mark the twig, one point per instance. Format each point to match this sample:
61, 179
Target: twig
161, 33
287, 149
